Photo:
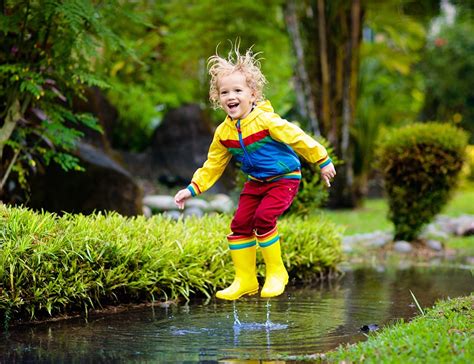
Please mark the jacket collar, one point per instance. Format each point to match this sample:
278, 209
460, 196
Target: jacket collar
261, 107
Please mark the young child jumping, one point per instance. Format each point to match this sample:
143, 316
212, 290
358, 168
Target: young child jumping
265, 145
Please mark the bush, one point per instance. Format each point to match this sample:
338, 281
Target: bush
467, 173
52, 265
420, 164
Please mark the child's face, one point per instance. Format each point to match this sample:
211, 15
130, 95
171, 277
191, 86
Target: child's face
235, 96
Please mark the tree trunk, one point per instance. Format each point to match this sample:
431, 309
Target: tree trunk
304, 96
325, 71
12, 117
333, 34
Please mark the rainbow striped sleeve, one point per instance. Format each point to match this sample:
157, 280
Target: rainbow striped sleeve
194, 189
324, 161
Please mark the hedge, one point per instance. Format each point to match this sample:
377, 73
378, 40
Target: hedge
52, 265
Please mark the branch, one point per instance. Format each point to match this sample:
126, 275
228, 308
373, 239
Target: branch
13, 116
9, 169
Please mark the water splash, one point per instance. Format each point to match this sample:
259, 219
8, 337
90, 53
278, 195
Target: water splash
268, 323
236, 316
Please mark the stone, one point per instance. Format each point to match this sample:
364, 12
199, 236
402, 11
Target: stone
147, 211
104, 186
434, 245
380, 241
402, 246
160, 202
222, 203
193, 211
173, 215
199, 203
180, 144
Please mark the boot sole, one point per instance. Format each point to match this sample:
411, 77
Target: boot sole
249, 293
263, 295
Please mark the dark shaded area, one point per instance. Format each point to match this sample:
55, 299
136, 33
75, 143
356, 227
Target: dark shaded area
178, 147
104, 186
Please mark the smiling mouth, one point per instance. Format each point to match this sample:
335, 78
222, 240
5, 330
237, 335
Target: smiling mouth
233, 106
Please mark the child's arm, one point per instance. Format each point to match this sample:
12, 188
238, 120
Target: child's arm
217, 159
289, 133
181, 197
327, 173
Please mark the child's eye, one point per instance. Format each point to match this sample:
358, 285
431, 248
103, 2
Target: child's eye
223, 92
238, 90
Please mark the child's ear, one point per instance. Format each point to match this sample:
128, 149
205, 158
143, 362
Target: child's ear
254, 97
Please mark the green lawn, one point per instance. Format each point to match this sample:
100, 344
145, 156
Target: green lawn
373, 215
442, 335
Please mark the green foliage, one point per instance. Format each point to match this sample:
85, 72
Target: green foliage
46, 54
420, 164
171, 43
53, 265
444, 334
448, 68
390, 91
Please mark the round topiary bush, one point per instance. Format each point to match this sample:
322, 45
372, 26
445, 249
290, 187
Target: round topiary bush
420, 164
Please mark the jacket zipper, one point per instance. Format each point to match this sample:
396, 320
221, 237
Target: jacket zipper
241, 141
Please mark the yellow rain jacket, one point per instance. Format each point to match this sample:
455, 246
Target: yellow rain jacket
264, 144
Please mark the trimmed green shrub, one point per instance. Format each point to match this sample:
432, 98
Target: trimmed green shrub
420, 164
52, 265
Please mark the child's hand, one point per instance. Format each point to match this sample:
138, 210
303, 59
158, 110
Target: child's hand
327, 173
181, 197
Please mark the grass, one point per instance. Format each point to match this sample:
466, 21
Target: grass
373, 216
442, 335
57, 265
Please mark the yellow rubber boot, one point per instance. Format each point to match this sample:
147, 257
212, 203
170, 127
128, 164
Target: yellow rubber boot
243, 250
276, 275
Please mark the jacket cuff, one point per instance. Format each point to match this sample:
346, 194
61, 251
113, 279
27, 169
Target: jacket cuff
194, 189
324, 162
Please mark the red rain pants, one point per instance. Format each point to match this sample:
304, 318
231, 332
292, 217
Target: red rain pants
260, 205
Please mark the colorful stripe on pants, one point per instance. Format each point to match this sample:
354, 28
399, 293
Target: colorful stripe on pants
240, 241
267, 239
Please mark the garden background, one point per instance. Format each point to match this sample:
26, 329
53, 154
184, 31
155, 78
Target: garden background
104, 104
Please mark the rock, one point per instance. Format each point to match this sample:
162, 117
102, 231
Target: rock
193, 211
402, 246
379, 239
434, 245
369, 328
160, 202
180, 144
222, 203
147, 211
104, 186
465, 227
434, 231
199, 203
173, 215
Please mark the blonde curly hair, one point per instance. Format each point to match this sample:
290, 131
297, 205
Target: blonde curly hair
248, 64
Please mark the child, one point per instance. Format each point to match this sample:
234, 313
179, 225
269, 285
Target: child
265, 145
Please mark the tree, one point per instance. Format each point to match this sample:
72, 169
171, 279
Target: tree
448, 68
45, 59
327, 42
390, 86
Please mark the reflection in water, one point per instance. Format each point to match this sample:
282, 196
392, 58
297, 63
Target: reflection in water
304, 320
